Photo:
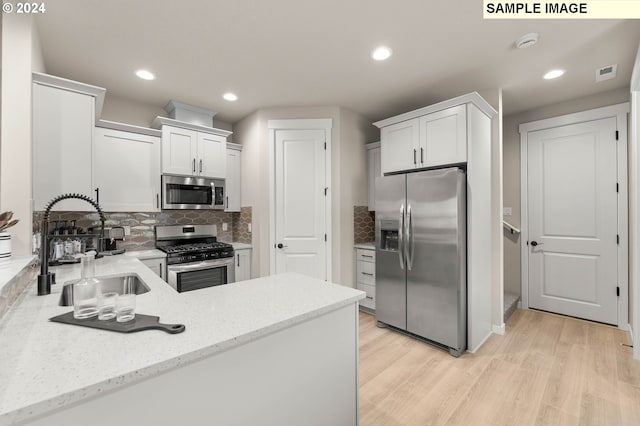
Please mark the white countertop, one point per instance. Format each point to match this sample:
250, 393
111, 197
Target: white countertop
241, 246
366, 246
146, 254
9, 268
46, 365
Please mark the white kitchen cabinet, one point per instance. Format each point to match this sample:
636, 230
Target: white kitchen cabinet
157, 265
374, 170
126, 171
179, 151
399, 146
366, 276
63, 121
192, 150
443, 136
433, 139
243, 264
211, 154
232, 184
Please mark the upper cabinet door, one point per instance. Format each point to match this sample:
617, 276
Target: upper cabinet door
374, 171
443, 137
127, 171
62, 137
179, 151
212, 156
399, 146
232, 184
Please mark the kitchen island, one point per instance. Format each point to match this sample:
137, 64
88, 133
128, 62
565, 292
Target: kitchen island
274, 350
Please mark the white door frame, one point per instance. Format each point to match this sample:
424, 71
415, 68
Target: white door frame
634, 164
619, 112
298, 124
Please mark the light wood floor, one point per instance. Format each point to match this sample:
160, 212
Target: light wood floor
546, 370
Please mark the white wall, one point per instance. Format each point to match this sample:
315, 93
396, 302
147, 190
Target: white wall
348, 179
353, 189
511, 161
131, 111
21, 54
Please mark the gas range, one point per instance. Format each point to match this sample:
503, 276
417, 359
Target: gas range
190, 243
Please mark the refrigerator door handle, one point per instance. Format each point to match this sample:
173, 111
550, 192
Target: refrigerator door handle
409, 239
401, 237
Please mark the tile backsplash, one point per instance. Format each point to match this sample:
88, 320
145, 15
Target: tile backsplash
142, 224
363, 225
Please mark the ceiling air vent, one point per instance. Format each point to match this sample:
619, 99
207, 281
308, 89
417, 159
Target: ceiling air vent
606, 73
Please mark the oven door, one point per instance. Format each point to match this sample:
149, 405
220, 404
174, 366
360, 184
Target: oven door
197, 275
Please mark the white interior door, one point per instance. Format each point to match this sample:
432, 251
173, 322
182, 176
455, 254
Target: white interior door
300, 182
572, 210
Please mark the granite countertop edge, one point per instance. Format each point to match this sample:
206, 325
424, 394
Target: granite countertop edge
38, 309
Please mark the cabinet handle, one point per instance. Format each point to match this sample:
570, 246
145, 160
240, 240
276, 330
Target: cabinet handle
160, 268
157, 200
194, 165
238, 259
422, 155
97, 195
200, 166
414, 156
366, 255
227, 205
366, 273
370, 297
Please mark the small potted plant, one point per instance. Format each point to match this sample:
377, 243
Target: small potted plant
6, 222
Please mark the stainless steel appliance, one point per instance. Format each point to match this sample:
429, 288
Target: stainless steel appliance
195, 259
421, 283
188, 192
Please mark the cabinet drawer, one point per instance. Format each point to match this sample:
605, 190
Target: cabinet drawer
365, 255
368, 303
370, 300
366, 273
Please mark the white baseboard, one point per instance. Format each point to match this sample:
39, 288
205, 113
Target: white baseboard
630, 334
519, 304
498, 329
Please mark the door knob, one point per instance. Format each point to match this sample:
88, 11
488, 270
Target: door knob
535, 243
280, 245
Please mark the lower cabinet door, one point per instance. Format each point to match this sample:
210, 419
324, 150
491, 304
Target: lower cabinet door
243, 264
158, 266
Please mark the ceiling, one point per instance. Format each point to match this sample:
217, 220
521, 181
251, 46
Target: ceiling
315, 53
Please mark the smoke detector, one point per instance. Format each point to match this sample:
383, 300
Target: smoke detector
606, 73
527, 40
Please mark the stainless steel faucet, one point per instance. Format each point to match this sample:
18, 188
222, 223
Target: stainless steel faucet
45, 277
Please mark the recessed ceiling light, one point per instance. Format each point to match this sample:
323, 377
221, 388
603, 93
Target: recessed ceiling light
230, 97
145, 75
553, 74
381, 53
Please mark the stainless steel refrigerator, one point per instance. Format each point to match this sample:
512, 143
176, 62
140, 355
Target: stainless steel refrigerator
421, 277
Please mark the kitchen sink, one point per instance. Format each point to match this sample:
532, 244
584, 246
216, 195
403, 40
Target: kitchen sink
120, 284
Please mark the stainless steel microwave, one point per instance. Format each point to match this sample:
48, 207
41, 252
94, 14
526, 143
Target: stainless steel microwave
192, 192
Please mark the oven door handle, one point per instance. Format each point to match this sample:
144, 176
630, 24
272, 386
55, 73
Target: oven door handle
200, 265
